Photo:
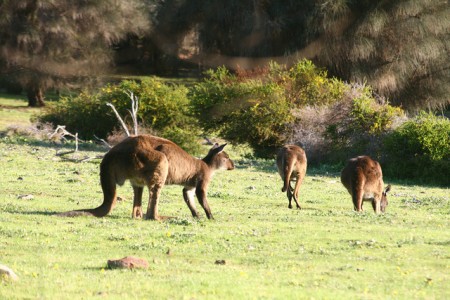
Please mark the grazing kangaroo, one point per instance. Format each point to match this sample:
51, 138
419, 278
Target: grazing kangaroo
291, 163
363, 178
151, 161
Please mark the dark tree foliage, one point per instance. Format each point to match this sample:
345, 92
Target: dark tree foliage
49, 43
401, 48
236, 28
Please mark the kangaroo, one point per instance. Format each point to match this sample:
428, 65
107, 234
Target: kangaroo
291, 163
152, 161
363, 178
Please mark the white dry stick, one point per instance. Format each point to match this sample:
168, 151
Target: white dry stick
64, 132
134, 110
120, 119
103, 141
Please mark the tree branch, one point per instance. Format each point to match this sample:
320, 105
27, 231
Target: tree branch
120, 119
134, 110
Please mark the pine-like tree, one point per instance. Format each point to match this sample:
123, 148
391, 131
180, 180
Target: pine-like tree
48, 43
401, 47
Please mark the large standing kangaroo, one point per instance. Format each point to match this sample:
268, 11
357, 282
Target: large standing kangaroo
291, 164
152, 162
363, 178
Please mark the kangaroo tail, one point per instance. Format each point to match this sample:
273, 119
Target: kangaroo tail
108, 183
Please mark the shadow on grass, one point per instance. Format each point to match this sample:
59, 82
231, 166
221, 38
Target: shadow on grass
413, 182
269, 166
31, 213
57, 146
327, 170
56, 214
13, 97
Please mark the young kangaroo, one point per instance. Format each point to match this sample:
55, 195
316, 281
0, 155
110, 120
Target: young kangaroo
363, 178
291, 163
152, 162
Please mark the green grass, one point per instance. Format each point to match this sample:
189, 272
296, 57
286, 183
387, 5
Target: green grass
14, 110
325, 251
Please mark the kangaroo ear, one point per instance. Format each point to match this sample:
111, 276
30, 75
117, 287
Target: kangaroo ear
217, 149
387, 189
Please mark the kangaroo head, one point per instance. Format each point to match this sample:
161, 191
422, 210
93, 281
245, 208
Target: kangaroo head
218, 159
384, 201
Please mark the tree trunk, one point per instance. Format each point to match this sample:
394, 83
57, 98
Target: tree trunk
35, 96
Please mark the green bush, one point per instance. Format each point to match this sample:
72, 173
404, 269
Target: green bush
420, 149
371, 117
162, 108
241, 111
266, 108
258, 107
85, 114
306, 84
358, 123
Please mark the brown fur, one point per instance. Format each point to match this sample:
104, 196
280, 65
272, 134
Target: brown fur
291, 163
363, 178
151, 161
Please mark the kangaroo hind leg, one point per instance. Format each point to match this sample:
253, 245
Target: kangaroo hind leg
290, 191
137, 202
153, 172
298, 183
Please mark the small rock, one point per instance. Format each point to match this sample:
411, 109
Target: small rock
128, 262
8, 273
25, 197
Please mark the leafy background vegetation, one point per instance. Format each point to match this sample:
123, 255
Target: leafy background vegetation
267, 108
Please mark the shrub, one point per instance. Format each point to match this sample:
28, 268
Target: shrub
163, 108
258, 107
354, 124
249, 111
268, 107
306, 84
84, 114
420, 149
357, 124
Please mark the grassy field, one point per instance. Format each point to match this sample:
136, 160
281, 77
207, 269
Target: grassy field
325, 251
14, 110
